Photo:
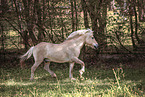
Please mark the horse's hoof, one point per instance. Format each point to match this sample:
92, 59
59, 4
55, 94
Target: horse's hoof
80, 75
81, 72
82, 78
73, 79
54, 75
31, 79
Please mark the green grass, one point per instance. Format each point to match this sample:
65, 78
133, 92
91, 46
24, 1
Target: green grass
14, 82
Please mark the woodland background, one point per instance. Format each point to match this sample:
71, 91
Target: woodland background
118, 25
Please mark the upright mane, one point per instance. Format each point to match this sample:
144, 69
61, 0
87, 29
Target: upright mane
78, 32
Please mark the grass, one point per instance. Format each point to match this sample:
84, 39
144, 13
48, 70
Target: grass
14, 82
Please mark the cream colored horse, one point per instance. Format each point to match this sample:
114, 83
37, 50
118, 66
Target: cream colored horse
67, 51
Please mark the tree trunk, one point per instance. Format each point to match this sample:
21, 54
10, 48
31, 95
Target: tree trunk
30, 27
41, 34
72, 12
2, 41
98, 19
132, 32
136, 25
131, 27
141, 7
4, 6
92, 10
50, 23
26, 39
76, 16
30, 19
84, 7
102, 25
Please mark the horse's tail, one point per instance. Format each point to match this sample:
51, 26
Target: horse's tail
26, 56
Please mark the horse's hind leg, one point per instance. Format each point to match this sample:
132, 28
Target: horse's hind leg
46, 67
33, 68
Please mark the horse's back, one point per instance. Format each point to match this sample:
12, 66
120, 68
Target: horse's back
41, 49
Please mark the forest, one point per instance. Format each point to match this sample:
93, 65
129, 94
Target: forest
118, 64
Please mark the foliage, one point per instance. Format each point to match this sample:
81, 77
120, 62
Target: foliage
119, 31
114, 22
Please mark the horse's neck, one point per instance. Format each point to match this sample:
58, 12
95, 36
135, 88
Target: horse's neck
77, 42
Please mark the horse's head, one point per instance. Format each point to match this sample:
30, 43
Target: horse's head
90, 40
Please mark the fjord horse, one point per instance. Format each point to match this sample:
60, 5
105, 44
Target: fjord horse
67, 51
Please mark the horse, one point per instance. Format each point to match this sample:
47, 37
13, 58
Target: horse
67, 51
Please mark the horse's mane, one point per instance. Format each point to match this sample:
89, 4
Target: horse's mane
77, 33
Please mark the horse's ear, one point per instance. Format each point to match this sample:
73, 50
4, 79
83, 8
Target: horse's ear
89, 30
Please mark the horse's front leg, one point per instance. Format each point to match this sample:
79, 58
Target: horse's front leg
71, 71
76, 60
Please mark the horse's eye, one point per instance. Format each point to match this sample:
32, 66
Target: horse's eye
92, 37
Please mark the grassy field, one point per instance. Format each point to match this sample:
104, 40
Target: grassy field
97, 82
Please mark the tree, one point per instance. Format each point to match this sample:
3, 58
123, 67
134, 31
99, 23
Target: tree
53, 20
97, 10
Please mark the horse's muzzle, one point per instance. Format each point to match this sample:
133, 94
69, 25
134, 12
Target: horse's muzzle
96, 46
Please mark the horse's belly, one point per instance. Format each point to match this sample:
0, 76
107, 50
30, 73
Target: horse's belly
58, 58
